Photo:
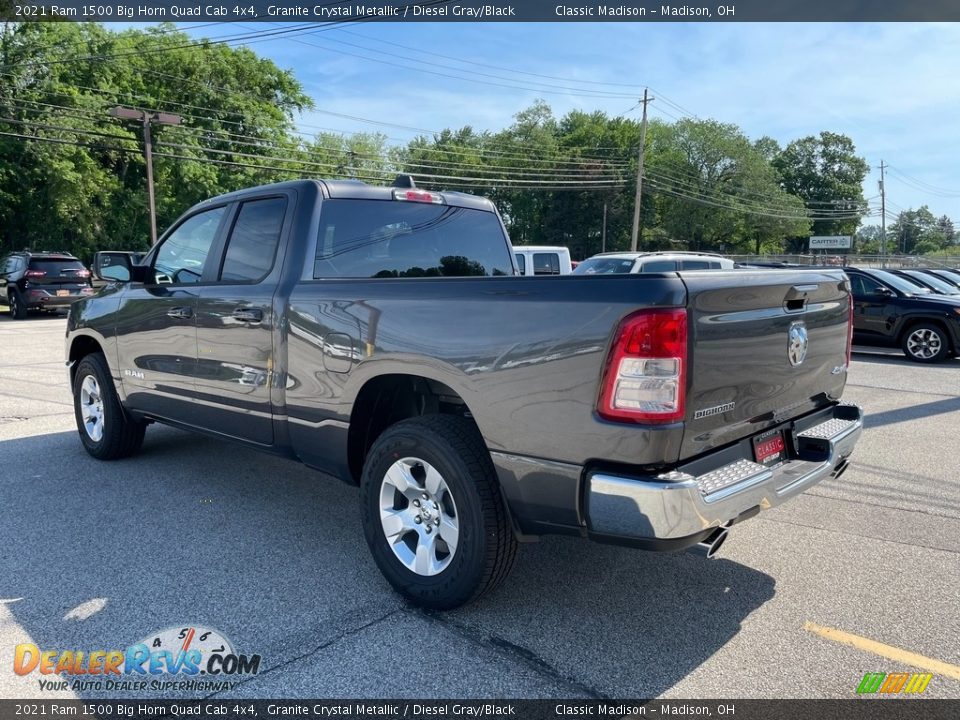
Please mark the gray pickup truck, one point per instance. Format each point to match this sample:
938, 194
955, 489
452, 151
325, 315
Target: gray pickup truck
384, 336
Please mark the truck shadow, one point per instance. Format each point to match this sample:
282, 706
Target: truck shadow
618, 622
196, 532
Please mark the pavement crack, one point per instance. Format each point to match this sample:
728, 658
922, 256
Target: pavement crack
303, 656
918, 511
858, 535
511, 651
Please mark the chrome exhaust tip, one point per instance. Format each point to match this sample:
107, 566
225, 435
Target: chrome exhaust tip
841, 468
708, 547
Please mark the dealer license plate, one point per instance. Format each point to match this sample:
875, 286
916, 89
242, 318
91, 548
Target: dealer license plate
769, 448
63, 293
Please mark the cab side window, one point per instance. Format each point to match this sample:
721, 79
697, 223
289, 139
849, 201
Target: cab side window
522, 263
181, 257
659, 266
546, 264
253, 241
863, 286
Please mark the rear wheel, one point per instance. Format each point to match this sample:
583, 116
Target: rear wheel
105, 430
18, 308
432, 512
926, 343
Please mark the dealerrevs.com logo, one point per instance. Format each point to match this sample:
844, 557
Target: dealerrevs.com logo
178, 658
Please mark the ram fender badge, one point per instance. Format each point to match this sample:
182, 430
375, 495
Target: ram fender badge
797, 343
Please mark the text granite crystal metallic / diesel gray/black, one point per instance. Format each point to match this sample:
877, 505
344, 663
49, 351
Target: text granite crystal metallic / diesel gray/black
383, 336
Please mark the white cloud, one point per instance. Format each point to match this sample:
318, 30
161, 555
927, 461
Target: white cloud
893, 87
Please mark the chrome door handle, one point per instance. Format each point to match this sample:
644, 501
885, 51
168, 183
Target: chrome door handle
248, 314
180, 313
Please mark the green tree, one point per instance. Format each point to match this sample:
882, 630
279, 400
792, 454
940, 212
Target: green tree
717, 191
77, 182
866, 241
827, 174
945, 226
910, 227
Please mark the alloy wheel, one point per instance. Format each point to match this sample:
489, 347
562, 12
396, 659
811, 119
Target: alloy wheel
91, 408
419, 516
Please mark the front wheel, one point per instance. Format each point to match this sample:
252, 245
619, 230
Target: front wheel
432, 512
106, 431
926, 343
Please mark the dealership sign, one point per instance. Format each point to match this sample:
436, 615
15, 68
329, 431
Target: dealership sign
831, 242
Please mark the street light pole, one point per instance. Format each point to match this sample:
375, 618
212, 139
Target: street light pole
147, 118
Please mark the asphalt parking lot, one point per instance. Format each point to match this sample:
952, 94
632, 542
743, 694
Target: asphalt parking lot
198, 532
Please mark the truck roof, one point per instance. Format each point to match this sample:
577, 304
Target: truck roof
357, 190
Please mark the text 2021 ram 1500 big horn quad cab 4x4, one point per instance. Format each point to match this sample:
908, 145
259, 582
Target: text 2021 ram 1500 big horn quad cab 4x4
383, 335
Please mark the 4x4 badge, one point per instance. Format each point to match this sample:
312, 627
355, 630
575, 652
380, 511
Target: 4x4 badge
797, 343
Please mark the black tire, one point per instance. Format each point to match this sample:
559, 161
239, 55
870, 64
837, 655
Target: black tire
18, 308
119, 434
485, 547
926, 343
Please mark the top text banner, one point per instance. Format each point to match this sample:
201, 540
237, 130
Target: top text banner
321, 11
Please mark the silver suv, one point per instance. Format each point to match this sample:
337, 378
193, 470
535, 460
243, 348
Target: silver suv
614, 263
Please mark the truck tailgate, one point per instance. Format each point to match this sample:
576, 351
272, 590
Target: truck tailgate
765, 345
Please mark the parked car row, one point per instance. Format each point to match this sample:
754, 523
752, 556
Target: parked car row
915, 309
918, 311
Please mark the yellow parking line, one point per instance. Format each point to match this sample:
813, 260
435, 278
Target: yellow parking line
887, 651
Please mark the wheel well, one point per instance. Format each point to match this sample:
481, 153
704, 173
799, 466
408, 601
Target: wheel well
79, 349
387, 400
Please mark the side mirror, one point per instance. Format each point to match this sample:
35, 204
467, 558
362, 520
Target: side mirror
117, 266
884, 291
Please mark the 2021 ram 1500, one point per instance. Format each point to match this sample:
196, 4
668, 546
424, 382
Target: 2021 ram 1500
383, 335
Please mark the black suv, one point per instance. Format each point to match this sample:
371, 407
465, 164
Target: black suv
891, 310
41, 280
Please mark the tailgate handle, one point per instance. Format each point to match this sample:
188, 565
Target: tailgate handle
797, 304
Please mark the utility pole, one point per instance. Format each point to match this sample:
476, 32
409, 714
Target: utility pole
603, 234
634, 235
147, 118
883, 218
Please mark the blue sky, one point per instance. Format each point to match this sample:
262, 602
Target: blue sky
892, 87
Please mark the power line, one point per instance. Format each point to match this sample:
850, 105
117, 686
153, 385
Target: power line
505, 183
515, 172
659, 187
514, 71
568, 164
922, 185
242, 38
547, 89
718, 190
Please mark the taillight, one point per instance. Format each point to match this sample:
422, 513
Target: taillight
35, 273
645, 376
83, 273
850, 329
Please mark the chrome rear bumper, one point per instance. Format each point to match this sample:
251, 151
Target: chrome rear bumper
726, 485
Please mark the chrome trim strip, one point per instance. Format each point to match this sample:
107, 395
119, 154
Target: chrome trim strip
319, 423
